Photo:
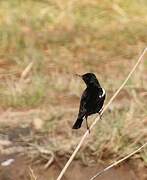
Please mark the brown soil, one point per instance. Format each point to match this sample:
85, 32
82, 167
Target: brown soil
19, 170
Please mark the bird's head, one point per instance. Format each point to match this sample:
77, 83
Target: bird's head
89, 79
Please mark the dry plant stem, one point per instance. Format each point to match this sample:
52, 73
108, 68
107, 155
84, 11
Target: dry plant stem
50, 161
26, 70
32, 175
118, 162
98, 118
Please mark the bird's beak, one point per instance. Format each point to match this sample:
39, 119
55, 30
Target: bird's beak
77, 75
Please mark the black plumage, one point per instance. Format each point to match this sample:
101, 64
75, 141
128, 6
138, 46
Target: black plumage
92, 99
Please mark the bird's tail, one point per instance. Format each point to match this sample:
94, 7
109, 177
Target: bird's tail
78, 123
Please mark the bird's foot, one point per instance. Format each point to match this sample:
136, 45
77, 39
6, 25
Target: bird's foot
100, 115
87, 125
88, 130
101, 111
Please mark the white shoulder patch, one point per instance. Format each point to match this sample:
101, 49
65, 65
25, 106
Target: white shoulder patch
103, 93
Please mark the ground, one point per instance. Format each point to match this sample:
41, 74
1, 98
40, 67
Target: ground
22, 169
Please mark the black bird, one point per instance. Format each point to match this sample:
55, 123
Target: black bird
92, 99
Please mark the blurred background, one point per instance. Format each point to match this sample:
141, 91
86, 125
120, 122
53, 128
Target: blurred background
43, 44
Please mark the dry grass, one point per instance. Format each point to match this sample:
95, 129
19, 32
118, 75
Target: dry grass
53, 40
64, 38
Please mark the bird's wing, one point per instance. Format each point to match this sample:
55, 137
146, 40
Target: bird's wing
83, 104
101, 92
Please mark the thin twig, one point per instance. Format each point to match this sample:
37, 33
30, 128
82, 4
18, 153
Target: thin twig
118, 162
32, 175
50, 160
26, 70
98, 118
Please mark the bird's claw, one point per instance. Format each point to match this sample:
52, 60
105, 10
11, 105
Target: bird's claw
88, 130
